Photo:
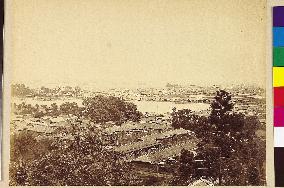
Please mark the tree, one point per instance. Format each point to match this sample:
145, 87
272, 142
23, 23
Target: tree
186, 119
70, 108
102, 109
232, 136
44, 91
21, 90
220, 106
226, 140
77, 90
186, 169
23, 109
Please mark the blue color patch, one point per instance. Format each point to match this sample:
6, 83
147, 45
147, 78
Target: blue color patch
278, 36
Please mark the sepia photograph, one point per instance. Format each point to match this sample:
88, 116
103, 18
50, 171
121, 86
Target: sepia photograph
138, 93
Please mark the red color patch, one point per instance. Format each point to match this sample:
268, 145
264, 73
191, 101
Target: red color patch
279, 97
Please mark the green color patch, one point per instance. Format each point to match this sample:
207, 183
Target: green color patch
278, 57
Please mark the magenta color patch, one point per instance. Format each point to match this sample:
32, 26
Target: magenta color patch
279, 117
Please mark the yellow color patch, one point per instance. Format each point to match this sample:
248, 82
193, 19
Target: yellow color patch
278, 76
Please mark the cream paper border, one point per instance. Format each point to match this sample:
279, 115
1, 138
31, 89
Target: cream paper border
8, 54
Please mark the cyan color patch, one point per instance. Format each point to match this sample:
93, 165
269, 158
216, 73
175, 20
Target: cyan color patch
278, 36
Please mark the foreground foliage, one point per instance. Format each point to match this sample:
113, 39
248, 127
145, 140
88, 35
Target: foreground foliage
229, 152
83, 161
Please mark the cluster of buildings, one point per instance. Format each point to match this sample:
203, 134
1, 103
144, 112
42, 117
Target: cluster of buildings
152, 142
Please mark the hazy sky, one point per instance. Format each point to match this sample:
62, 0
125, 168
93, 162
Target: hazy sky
125, 43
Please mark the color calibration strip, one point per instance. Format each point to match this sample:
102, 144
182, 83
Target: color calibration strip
278, 87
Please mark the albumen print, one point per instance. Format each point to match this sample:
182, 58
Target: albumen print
132, 93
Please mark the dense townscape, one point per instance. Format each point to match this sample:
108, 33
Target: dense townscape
175, 135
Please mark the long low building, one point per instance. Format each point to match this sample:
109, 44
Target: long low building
166, 134
167, 153
135, 127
